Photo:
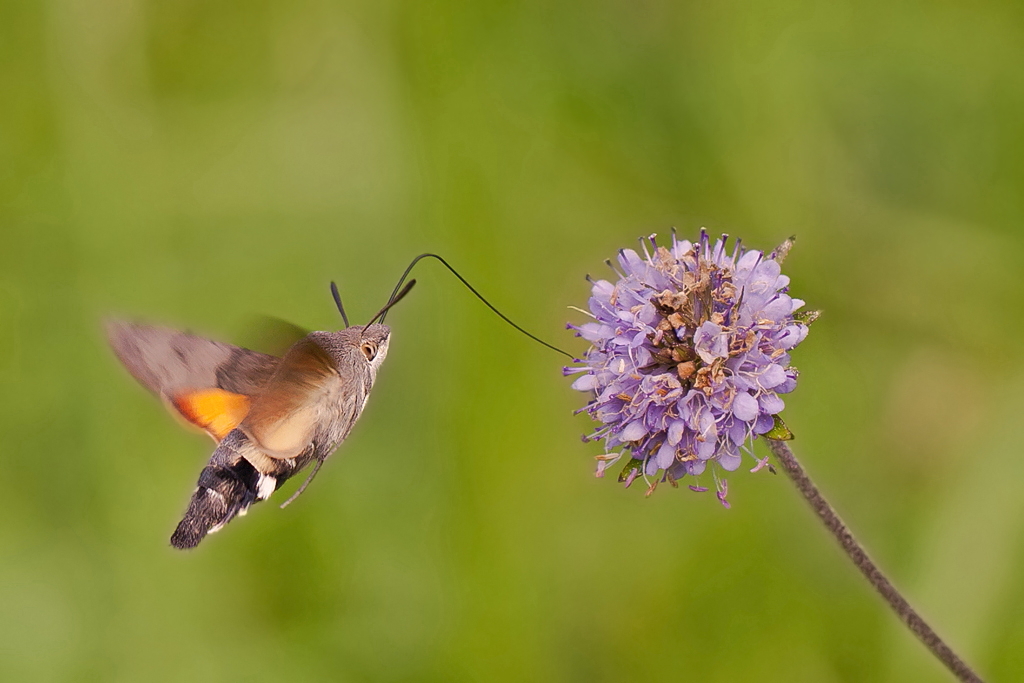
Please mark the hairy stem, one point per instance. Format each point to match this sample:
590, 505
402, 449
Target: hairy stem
871, 572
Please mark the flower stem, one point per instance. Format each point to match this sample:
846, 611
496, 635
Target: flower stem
871, 572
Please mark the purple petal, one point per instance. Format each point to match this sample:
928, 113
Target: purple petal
729, 461
748, 261
771, 404
744, 406
602, 291
763, 424
710, 342
631, 262
666, 456
772, 376
595, 331
789, 385
675, 431
585, 383
738, 432
634, 431
706, 448
793, 335
778, 309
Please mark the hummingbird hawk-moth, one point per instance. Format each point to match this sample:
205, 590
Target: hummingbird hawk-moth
270, 416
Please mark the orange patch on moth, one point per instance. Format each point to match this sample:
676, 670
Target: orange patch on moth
215, 410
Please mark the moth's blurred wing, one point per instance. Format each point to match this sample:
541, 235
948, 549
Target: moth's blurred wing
283, 417
272, 335
207, 382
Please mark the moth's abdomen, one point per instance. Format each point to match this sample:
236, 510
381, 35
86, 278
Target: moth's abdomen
227, 486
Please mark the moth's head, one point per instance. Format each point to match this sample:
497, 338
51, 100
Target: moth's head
355, 346
367, 343
373, 343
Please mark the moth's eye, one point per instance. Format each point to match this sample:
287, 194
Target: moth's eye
369, 350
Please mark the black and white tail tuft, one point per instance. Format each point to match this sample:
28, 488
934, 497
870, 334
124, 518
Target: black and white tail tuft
226, 489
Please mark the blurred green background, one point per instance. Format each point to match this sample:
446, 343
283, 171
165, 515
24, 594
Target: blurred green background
199, 162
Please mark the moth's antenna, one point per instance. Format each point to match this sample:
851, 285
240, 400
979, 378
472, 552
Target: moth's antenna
316, 468
478, 296
337, 302
395, 298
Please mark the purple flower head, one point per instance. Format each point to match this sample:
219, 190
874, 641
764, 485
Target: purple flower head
689, 355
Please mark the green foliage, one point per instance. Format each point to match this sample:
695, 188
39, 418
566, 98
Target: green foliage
780, 431
195, 163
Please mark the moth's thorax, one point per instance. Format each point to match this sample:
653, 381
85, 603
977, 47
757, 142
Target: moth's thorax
356, 355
